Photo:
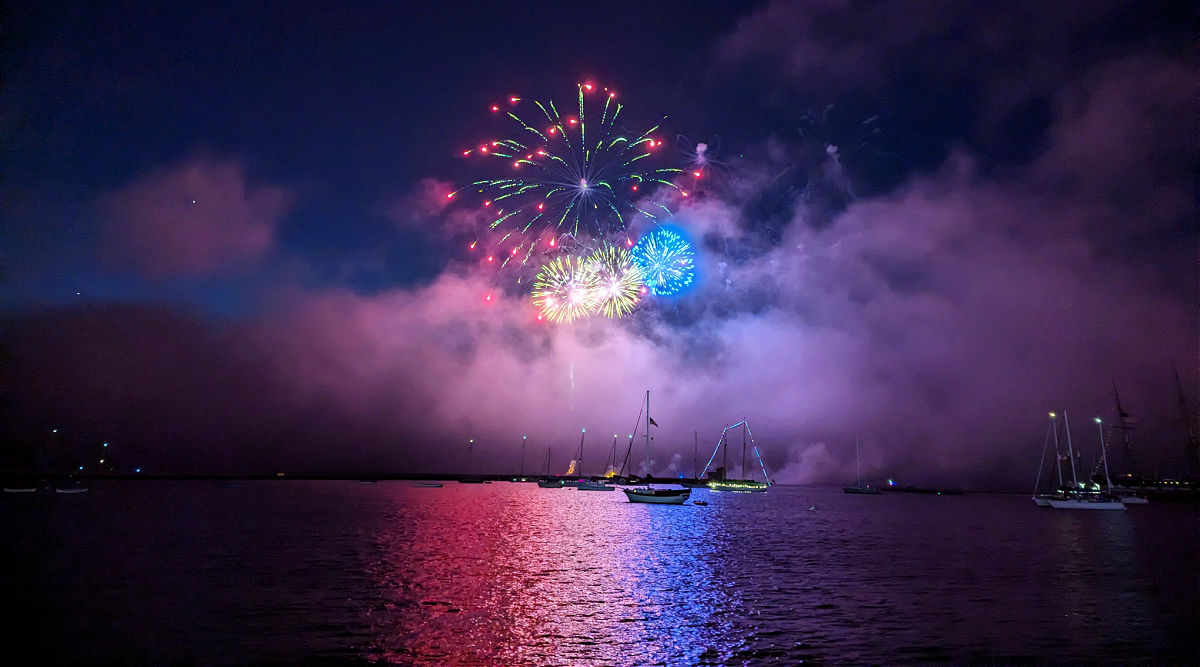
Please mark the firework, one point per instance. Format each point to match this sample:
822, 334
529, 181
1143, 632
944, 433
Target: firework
575, 173
566, 289
703, 167
666, 262
618, 280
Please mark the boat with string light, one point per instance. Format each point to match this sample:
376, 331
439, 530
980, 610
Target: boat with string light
718, 479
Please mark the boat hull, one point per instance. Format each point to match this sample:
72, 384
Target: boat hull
596, 487
862, 490
658, 496
738, 486
1075, 504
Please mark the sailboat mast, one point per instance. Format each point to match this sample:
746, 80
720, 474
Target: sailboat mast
1071, 451
724, 454
695, 454
523, 439
628, 454
1057, 460
614, 456
582, 435
1104, 454
1122, 425
647, 435
857, 462
743, 469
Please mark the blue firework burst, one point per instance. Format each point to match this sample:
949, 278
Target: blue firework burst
666, 261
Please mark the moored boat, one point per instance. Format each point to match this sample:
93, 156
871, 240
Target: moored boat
1079, 495
657, 496
73, 486
651, 495
717, 479
1086, 502
860, 489
738, 485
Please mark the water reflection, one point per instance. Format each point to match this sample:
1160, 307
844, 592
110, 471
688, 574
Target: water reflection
512, 574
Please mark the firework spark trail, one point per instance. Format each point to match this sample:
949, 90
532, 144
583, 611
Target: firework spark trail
567, 179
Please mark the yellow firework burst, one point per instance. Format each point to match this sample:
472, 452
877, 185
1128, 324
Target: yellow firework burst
566, 289
618, 280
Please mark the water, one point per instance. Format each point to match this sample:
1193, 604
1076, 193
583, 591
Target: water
288, 571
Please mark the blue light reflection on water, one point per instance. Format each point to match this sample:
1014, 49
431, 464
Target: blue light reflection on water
518, 574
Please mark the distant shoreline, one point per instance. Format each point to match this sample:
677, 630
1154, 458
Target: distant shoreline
1161, 491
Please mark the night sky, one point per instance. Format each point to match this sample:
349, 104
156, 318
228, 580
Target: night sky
930, 224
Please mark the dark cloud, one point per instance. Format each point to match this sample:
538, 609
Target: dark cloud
949, 71
853, 45
197, 217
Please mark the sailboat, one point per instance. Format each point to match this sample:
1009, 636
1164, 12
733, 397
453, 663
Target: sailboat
574, 475
469, 478
1084, 496
1043, 499
747, 485
522, 477
72, 485
860, 488
1124, 423
581, 482
648, 494
548, 483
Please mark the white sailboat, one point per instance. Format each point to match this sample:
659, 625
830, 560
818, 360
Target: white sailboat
1043, 499
651, 495
1085, 496
71, 486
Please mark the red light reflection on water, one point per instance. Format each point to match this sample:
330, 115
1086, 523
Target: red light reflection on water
510, 573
